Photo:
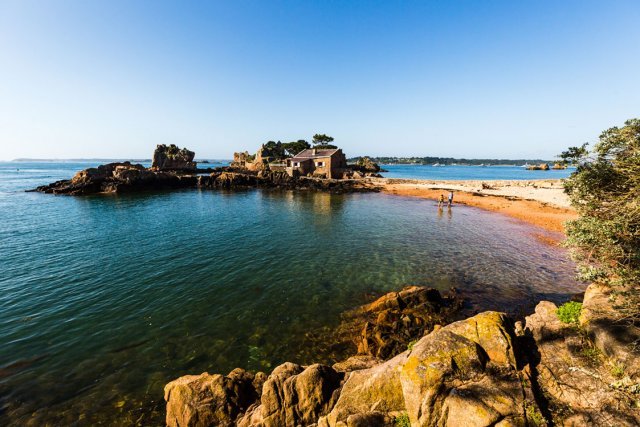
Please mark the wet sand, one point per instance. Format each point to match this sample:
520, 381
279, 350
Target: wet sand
540, 202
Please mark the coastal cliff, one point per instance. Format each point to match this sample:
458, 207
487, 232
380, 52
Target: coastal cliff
486, 370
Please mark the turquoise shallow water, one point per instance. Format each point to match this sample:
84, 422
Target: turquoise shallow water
105, 299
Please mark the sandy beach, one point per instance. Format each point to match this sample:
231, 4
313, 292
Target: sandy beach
539, 202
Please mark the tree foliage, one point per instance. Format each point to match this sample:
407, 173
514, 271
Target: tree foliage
605, 191
294, 147
320, 140
275, 149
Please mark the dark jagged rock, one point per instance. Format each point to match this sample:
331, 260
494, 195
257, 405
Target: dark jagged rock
118, 178
172, 158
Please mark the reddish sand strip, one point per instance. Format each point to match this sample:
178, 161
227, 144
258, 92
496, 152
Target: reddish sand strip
543, 215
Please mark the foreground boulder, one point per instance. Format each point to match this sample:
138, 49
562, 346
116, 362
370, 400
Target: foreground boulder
293, 395
580, 385
609, 330
211, 400
461, 374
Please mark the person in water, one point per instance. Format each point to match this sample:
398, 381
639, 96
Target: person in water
441, 201
450, 198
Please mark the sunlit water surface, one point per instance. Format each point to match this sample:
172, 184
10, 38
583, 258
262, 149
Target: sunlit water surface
105, 299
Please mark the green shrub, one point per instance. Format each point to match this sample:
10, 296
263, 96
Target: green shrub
411, 344
569, 312
402, 420
617, 370
605, 191
592, 354
534, 417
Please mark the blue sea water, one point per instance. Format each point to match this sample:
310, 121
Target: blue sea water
471, 172
104, 299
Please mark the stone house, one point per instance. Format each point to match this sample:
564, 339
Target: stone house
319, 162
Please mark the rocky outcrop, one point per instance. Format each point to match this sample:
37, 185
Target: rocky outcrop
293, 395
481, 371
173, 158
610, 331
463, 372
118, 178
211, 400
579, 385
127, 177
277, 179
365, 164
540, 167
386, 326
363, 168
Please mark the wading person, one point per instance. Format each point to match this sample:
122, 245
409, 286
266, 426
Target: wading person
450, 198
441, 201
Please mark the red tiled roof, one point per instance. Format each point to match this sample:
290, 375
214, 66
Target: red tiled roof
308, 153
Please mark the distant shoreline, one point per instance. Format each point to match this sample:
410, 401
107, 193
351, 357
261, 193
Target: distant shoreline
24, 160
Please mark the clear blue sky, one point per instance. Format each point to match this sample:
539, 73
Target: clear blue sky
506, 79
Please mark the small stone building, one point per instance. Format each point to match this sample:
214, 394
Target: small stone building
326, 163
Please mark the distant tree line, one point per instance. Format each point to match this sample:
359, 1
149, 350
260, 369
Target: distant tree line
448, 161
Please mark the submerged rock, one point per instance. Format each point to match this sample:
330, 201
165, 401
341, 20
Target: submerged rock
388, 325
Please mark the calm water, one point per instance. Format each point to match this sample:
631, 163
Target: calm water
470, 172
105, 299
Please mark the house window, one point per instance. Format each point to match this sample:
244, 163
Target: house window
320, 164
296, 164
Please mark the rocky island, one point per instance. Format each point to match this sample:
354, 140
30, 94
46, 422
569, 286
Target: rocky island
173, 168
